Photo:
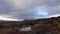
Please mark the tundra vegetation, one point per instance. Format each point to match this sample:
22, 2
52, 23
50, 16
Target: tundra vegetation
39, 26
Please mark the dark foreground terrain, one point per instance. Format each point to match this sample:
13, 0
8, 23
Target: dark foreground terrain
39, 26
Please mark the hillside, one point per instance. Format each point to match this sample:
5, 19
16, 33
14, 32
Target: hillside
40, 26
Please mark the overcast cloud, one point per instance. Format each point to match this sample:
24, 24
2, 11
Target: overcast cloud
29, 9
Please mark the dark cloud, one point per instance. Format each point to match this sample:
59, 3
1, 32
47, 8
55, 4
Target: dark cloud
24, 9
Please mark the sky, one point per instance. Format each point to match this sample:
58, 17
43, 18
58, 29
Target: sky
28, 9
